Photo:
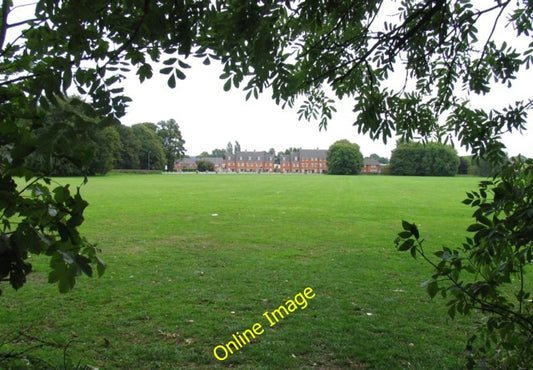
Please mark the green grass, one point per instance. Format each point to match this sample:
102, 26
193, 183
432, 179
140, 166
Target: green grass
181, 281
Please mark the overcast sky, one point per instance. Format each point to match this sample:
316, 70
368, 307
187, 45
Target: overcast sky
209, 117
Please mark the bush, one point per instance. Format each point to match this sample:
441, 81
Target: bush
205, 166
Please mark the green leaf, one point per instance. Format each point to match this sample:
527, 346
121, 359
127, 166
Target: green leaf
451, 311
484, 220
227, 85
183, 64
413, 251
172, 81
432, 288
414, 231
100, 266
475, 227
406, 225
180, 74
67, 79
406, 245
170, 61
166, 70
405, 234
61, 194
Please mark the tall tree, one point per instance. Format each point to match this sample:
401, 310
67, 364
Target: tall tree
237, 147
129, 149
203, 154
66, 122
152, 153
107, 148
229, 147
344, 158
173, 143
220, 153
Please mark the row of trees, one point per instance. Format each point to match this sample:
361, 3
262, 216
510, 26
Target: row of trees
149, 146
430, 159
101, 147
408, 159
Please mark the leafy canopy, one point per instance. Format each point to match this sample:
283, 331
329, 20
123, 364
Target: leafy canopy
490, 272
344, 158
429, 159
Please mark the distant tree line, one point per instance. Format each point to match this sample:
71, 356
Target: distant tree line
101, 148
429, 159
149, 146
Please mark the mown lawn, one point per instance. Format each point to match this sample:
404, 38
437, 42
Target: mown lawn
193, 259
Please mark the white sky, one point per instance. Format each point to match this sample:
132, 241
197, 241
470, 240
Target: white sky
209, 117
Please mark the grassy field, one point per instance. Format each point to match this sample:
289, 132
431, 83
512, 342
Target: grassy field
193, 259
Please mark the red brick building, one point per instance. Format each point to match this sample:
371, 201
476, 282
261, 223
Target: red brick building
304, 161
370, 165
190, 164
250, 162
301, 161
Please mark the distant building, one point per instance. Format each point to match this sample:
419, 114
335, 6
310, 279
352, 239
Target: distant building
250, 162
289, 163
313, 161
189, 163
218, 162
370, 165
304, 161
185, 164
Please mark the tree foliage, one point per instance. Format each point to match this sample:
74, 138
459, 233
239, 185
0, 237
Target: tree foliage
489, 273
152, 153
173, 142
354, 47
430, 159
129, 149
344, 158
205, 165
95, 149
218, 153
237, 147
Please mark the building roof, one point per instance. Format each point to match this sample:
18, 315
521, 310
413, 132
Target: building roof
370, 162
252, 157
217, 161
313, 153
